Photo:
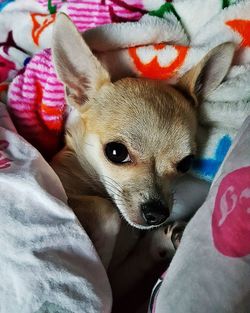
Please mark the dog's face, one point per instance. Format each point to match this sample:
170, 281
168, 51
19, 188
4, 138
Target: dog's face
136, 134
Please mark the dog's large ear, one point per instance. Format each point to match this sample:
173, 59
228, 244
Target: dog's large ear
208, 73
75, 64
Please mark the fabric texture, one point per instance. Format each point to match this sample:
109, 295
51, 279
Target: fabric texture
48, 263
36, 98
210, 271
39, 233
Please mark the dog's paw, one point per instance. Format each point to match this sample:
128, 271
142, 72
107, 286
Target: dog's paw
177, 230
165, 240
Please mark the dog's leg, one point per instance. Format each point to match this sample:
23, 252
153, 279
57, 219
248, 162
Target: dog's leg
134, 279
101, 221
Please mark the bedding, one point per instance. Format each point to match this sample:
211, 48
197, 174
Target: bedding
211, 269
36, 99
47, 262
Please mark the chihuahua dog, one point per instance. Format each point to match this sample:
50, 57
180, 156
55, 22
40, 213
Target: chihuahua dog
126, 141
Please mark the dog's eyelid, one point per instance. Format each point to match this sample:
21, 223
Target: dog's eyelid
186, 155
128, 159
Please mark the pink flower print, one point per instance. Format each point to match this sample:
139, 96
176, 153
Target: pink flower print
4, 161
5, 67
231, 215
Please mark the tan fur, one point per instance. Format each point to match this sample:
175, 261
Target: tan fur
127, 111
156, 123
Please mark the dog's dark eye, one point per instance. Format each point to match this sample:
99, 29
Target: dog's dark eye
184, 165
117, 153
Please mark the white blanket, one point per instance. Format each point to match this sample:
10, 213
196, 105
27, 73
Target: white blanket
211, 269
47, 261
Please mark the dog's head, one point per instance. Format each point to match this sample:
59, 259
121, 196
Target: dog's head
136, 134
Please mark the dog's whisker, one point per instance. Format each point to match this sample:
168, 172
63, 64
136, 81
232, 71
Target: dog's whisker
117, 201
108, 184
88, 144
120, 198
114, 187
114, 191
111, 180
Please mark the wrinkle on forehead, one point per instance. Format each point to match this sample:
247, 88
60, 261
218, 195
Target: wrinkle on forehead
157, 135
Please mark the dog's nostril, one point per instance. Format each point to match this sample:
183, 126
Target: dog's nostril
154, 218
150, 218
154, 212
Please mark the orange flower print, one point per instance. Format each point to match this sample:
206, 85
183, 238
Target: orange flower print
153, 69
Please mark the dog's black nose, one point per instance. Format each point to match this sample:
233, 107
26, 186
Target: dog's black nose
154, 212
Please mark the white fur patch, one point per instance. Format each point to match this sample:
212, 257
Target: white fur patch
73, 117
92, 150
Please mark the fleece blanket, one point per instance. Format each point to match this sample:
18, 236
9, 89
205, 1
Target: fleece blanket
163, 44
36, 98
48, 263
211, 269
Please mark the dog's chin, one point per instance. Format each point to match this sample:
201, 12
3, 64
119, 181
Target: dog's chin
142, 226
136, 222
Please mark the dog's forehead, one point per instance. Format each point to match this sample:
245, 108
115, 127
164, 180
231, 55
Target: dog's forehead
139, 101
149, 118
157, 137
